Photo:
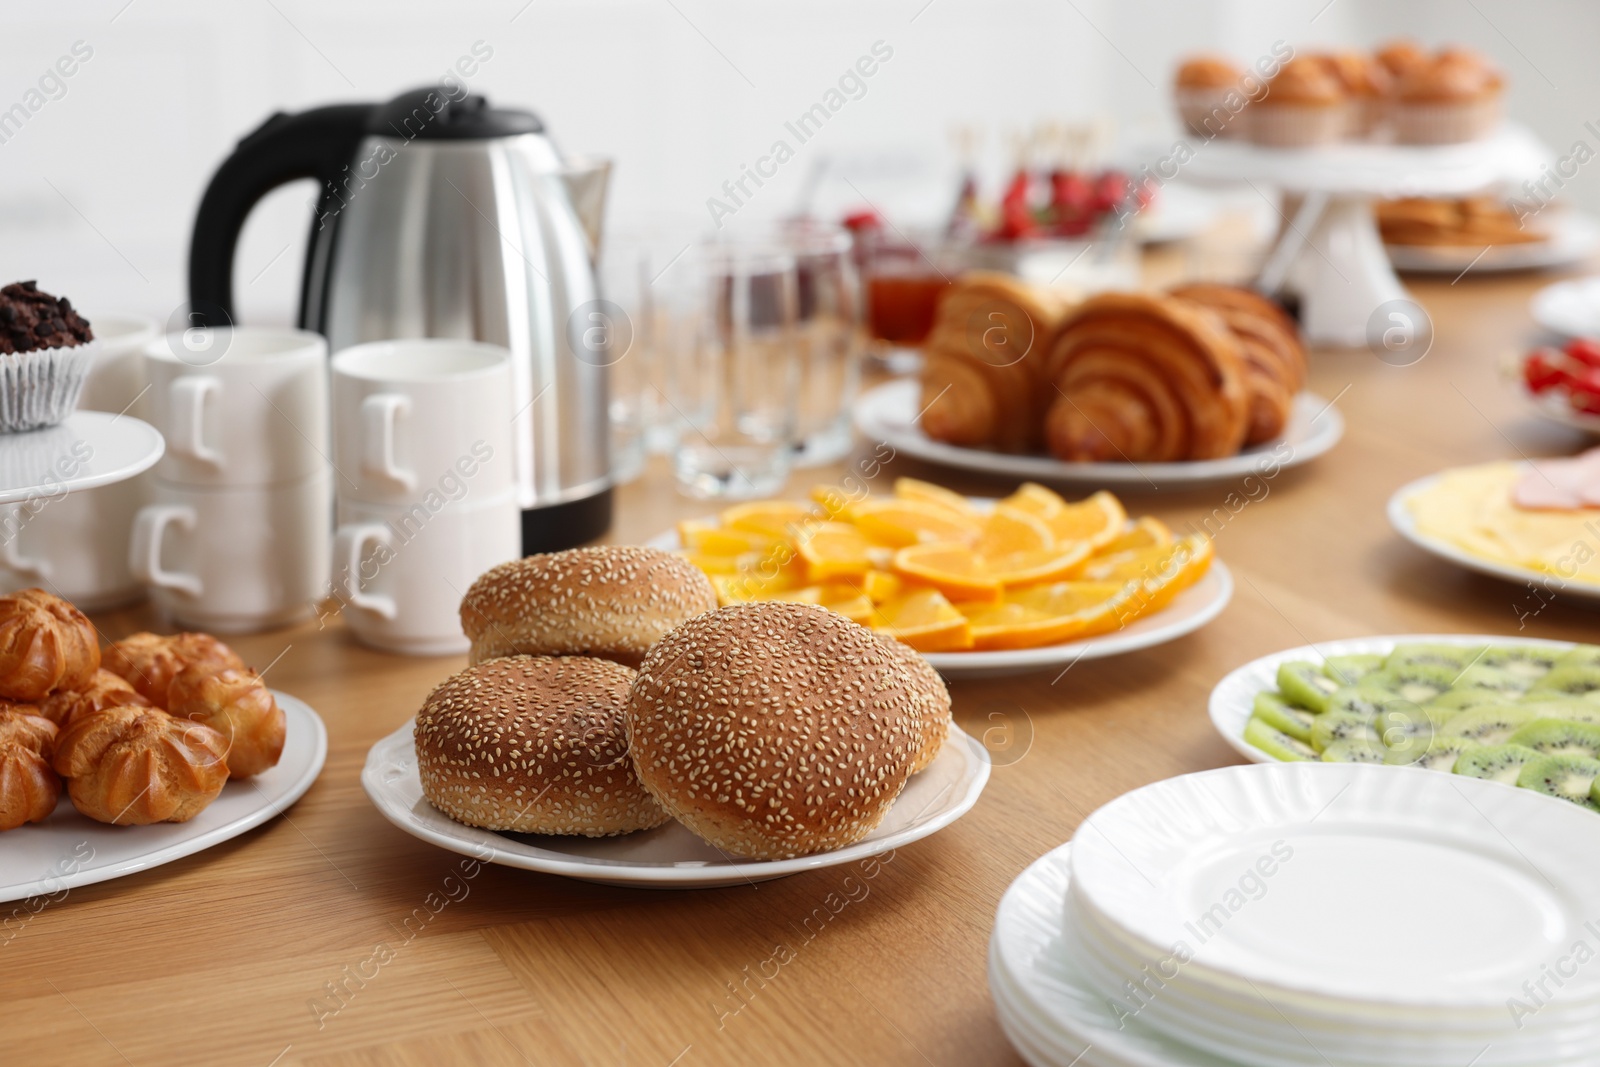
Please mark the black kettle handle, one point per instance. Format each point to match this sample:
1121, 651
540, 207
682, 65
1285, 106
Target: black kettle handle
318, 144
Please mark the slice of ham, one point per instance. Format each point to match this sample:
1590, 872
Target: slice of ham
1560, 484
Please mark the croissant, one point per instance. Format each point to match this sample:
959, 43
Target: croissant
45, 644
131, 766
1145, 379
239, 706
149, 661
1274, 358
983, 379
29, 786
102, 691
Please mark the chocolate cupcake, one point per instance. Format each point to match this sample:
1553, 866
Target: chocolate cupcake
46, 350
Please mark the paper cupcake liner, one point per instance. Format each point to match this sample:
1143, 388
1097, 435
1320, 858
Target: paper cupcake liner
1204, 112
1445, 123
41, 388
1297, 126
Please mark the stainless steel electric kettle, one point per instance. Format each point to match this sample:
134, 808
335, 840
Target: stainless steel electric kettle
440, 216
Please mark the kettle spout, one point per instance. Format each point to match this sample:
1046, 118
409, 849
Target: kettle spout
587, 180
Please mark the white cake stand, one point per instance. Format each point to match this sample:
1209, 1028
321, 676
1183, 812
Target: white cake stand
89, 449
1329, 253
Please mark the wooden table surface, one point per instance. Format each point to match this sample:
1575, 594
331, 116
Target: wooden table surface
260, 951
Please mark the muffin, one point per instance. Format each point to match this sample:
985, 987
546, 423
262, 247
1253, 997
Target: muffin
1204, 88
1367, 86
1399, 58
1305, 106
1454, 98
46, 350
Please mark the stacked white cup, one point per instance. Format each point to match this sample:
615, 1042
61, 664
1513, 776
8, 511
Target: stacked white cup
426, 494
236, 536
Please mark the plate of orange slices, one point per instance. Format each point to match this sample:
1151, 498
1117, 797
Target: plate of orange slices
981, 587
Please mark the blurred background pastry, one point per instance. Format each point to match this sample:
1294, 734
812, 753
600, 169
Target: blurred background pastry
1202, 88
1454, 97
1305, 106
1274, 357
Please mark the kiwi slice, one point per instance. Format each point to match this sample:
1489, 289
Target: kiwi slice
1453, 657
1495, 679
1571, 680
1497, 763
1348, 670
1568, 777
1276, 743
1402, 722
1342, 726
1439, 754
1305, 684
1464, 699
1357, 700
1573, 710
1530, 661
1416, 682
1492, 725
1273, 710
1559, 737
1580, 656
1355, 750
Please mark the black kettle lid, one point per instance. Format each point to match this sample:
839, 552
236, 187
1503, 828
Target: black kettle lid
434, 113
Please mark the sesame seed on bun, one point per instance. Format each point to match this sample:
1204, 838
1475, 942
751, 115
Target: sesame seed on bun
533, 744
774, 729
613, 601
930, 691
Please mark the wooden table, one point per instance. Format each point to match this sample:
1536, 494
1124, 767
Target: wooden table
254, 952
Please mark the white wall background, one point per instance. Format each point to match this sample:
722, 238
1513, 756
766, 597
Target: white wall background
97, 189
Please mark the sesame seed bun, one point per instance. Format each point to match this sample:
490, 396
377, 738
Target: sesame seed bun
613, 601
533, 744
773, 729
928, 689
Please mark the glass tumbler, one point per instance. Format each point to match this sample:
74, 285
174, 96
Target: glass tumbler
830, 335
737, 397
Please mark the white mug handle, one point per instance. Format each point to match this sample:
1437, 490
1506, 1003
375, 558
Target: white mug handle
379, 413
348, 544
144, 547
188, 398
11, 557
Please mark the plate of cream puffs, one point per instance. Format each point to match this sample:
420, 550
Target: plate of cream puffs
152, 749
615, 725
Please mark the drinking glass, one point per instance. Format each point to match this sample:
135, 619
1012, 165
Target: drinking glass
903, 278
829, 331
736, 397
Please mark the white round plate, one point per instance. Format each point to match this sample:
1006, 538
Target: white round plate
1189, 610
670, 856
1167, 864
89, 449
1570, 308
1233, 698
1572, 236
1405, 525
1554, 406
69, 850
889, 413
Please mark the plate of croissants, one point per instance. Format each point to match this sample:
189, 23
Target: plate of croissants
116, 760
616, 726
1201, 384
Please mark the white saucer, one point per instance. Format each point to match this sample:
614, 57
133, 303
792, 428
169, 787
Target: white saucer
670, 856
68, 849
1405, 525
1570, 308
888, 413
89, 449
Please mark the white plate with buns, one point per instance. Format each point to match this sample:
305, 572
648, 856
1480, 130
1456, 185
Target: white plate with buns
669, 856
889, 413
43, 860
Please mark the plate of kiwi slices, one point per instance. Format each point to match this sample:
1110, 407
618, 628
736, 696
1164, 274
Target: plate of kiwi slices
1513, 710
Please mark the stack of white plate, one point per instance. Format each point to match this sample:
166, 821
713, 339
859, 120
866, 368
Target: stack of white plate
1309, 913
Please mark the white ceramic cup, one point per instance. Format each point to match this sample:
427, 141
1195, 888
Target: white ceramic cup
399, 572
407, 413
235, 560
76, 544
239, 406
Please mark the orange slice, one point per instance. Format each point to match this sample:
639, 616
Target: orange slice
741, 564
950, 568
1051, 614
1009, 530
929, 493
910, 522
834, 499
774, 518
881, 585
713, 540
1038, 565
925, 620
1035, 499
1097, 520
1187, 563
1136, 564
835, 550
845, 599
1145, 533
